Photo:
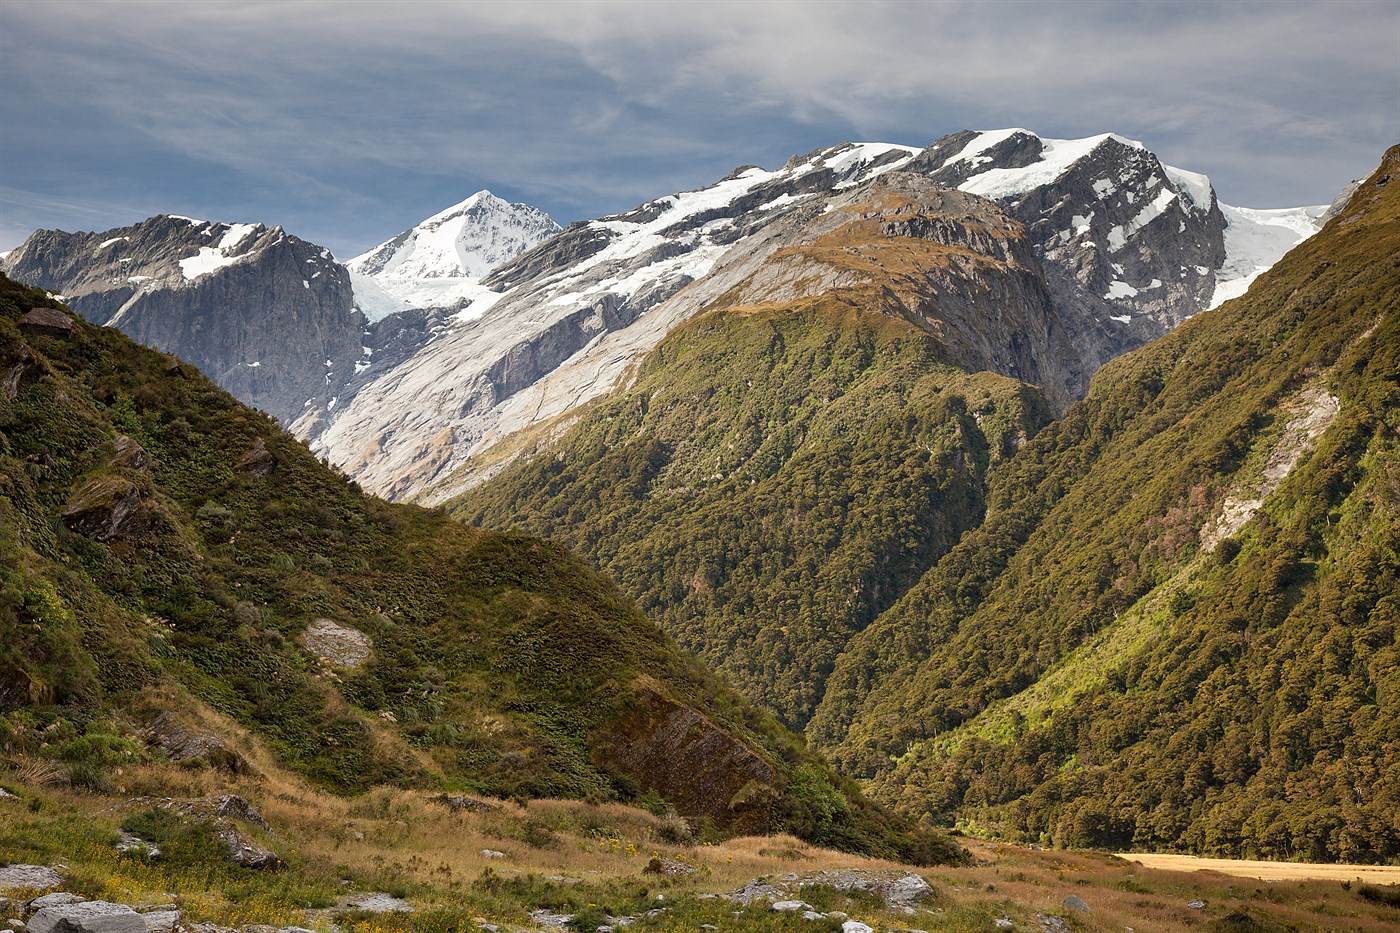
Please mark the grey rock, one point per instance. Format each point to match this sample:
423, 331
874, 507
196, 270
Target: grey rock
130, 455
790, 905
262, 315
1197, 905
258, 461
551, 920
161, 921
492, 853
1075, 903
6, 795
129, 843
56, 899
88, 917
855, 926
246, 854
14, 923
106, 507
234, 806
47, 320
336, 644
470, 804
182, 744
28, 877
379, 903
1051, 924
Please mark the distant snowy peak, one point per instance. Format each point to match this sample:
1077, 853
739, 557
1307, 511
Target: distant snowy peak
439, 263
467, 239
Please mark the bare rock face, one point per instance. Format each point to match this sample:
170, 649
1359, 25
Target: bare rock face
701, 769
1129, 246
266, 315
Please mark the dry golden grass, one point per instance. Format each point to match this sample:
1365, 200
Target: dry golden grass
409, 842
1269, 871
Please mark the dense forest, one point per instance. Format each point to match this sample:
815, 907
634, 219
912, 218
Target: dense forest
1167, 620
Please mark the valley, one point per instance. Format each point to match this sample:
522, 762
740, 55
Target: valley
860, 521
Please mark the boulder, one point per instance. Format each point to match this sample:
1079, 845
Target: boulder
246, 854
87, 917
28, 877
130, 455
104, 507
1075, 903
47, 321
258, 461
232, 805
181, 744
56, 899
161, 921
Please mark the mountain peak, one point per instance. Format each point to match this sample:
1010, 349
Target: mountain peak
467, 239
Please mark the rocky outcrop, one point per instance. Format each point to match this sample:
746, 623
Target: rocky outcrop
1121, 247
105, 507
699, 768
47, 320
1130, 247
184, 745
28, 878
268, 316
336, 644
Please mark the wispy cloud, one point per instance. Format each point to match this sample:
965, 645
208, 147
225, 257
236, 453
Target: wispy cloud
348, 121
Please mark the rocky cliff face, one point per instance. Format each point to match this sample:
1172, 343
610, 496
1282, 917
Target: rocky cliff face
268, 316
1130, 246
573, 313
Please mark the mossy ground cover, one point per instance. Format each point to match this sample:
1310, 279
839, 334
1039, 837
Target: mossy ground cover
588, 861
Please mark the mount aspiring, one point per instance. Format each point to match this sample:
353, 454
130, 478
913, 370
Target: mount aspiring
426, 364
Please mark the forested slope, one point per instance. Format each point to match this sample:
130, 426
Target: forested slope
165, 549
1177, 626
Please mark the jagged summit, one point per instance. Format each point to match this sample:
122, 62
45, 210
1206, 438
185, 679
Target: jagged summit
437, 263
467, 239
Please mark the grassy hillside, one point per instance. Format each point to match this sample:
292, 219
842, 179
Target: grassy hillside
164, 548
1124, 653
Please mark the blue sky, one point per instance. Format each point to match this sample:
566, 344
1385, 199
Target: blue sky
348, 122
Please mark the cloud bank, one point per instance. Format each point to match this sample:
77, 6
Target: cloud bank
347, 122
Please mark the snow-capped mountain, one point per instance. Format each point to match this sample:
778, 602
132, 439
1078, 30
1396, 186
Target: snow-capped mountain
586, 304
439, 263
267, 315
1128, 248
1256, 239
